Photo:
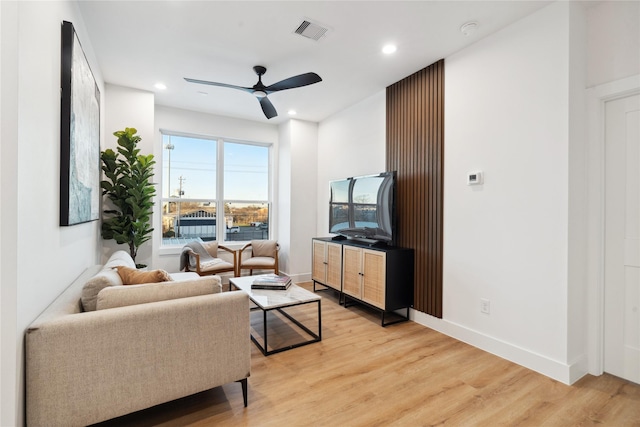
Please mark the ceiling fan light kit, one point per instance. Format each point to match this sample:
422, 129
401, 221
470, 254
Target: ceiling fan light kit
260, 91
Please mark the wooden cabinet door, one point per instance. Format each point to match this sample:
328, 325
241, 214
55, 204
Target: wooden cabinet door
319, 267
373, 278
351, 271
334, 266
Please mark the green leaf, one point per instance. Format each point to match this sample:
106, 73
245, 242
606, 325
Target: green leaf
127, 186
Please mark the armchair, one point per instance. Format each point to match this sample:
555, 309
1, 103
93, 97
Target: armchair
258, 255
204, 258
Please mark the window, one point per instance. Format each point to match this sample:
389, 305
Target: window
212, 188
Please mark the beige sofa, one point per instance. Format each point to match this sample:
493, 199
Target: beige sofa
142, 346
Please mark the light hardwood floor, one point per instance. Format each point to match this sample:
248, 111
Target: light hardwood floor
361, 374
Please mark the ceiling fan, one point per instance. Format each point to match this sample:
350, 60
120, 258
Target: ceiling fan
260, 91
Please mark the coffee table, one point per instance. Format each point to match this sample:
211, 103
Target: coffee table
268, 300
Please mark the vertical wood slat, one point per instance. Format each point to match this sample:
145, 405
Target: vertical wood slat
415, 149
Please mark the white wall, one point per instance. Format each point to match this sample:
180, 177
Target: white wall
32, 241
577, 314
9, 366
614, 41
126, 107
350, 143
613, 30
177, 120
507, 113
297, 196
283, 183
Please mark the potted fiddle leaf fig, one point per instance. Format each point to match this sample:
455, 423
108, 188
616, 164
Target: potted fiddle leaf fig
129, 191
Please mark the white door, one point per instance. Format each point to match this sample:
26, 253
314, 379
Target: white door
622, 238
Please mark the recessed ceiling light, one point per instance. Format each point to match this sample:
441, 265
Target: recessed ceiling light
388, 49
160, 86
292, 112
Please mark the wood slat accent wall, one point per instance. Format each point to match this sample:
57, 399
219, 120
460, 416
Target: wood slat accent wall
415, 149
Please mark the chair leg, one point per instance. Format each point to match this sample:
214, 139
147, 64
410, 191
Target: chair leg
244, 391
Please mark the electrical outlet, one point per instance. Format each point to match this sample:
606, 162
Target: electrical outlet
485, 306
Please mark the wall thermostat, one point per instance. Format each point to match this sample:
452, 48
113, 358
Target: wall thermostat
474, 178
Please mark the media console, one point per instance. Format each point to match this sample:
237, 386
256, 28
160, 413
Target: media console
378, 276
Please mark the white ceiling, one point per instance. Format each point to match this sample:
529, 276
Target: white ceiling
140, 43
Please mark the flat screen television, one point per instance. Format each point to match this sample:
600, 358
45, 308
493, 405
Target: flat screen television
363, 208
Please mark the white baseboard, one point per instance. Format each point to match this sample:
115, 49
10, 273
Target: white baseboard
565, 373
300, 278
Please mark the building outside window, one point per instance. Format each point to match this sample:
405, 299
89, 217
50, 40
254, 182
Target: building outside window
214, 189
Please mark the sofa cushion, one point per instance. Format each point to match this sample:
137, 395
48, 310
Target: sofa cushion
120, 258
215, 265
184, 275
108, 276
132, 276
120, 296
257, 262
105, 278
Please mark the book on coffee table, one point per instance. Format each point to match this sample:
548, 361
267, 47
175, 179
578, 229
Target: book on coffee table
271, 281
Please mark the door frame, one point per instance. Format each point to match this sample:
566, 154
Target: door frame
596, 98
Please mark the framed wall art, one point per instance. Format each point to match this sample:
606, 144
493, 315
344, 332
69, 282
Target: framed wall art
79, 134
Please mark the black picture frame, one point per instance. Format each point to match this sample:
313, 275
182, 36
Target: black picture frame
79, 134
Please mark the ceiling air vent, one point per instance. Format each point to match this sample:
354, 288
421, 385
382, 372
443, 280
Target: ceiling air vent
311, 30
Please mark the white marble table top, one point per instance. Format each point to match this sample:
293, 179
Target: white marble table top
268, 299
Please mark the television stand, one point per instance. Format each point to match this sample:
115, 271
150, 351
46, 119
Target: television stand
378, 244
338, 238
379, 276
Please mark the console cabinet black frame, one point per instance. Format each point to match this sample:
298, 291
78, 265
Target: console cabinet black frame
397, 281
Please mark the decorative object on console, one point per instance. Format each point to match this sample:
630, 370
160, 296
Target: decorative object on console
129, 192
79, 134
203, 258
263, 256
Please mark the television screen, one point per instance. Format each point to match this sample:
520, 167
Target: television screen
364, 207
340, 215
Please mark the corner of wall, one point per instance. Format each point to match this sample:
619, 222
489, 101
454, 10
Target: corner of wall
128, 107
577, 270
9, 338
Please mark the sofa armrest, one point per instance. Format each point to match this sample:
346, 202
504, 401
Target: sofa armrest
233, 253
89, 367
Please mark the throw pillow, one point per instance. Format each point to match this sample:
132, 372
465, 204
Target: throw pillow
105, 278
131, 276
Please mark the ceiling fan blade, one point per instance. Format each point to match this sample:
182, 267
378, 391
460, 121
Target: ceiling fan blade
293, 82
268, 108
204, 82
